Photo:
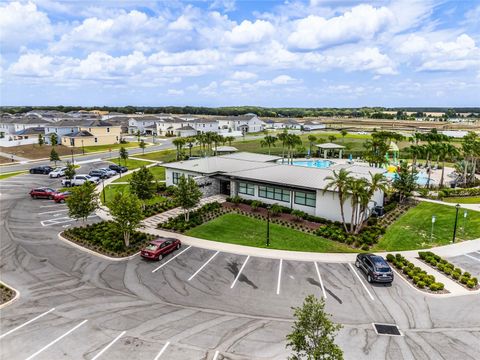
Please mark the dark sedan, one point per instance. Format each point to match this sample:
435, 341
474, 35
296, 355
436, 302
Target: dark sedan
375, 267
41, 170
99, 174
118, 168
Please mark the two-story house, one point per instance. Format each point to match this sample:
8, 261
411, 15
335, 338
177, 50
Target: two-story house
60, 129
91, 133
247, 123
204, 125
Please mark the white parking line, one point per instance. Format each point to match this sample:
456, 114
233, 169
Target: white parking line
51, 212
239, 272
165, 263
216, 355
26, 323
206, 263
109, 345
56, 340
162, 350
361, 282
320, 280
471, 257
61, 220
54, 205
279, 276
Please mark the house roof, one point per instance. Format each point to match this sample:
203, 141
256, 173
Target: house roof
82, 133
31, 131
248, 156
328, 146
186, 128
221, 149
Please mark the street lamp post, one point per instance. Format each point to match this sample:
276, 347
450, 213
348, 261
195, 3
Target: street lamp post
268, 226
433, 222
83, 148
457, 207
73, 161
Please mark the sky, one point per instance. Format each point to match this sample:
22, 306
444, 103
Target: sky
317, 53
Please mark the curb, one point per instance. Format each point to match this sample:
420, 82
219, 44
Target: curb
11, 301
84, 249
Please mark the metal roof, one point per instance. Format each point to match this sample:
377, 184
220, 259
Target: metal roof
330, 146
248, 156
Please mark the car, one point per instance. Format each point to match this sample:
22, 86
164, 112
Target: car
57, 172
80, 180
160, 247
41, 170
42, 193
118, 168
109, 172
61, 197
99, 174
375, 267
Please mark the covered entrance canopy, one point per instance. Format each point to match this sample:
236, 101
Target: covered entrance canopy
330, 148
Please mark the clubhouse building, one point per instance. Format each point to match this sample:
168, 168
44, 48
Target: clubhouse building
264, 178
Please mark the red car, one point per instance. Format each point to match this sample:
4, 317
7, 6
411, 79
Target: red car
160, 247
42, 193
61, 197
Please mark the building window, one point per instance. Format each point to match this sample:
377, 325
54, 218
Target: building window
108, 129
246, 188
274, 193
96, 140
305, 198
175, 177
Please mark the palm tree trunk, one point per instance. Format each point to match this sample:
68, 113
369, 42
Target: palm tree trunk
443, 171
342, 211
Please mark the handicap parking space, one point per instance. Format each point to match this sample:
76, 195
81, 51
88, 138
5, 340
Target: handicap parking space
468, 262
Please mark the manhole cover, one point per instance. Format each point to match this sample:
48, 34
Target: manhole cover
387, 329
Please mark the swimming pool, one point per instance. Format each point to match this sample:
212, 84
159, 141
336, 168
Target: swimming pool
422, 178
321, 164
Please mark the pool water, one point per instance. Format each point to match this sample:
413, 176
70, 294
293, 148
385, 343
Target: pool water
422, 178
321, 164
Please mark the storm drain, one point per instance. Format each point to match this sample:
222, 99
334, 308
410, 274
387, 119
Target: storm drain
387, 329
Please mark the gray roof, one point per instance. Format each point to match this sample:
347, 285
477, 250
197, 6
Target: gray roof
215, 165
248, 156
330, 146
82, 133
226, 149
31, 131
185, 128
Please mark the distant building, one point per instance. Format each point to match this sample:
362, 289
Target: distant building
247, 123
96, 132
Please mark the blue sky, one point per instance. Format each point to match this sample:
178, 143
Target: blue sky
315, 53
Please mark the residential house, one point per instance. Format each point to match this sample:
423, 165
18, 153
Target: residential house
185, 131
313, 125
204, 125
247, 123
93, 132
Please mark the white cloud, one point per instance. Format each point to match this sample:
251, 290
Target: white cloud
367, 59
175, 92
243, 75
284, 80
226, 5
248, 33
22, 24
35, 65
360, 23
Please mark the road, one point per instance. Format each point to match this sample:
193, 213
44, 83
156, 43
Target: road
196, 303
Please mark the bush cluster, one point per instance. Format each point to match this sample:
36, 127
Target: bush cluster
447, 192
105, 236
418, 276
205, 213
448, 269
153, 209
390, 206
366, 238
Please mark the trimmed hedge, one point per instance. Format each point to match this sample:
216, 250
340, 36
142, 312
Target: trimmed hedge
205, 213
447, 192
419, 277
449, 269
157, 208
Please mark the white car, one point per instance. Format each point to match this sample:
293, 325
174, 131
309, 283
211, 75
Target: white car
109, 172
57, 172
80, 180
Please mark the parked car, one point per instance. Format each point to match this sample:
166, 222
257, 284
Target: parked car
57, 172
99, 174
160, 247
118, 168
61, 197
109, 172
41, 170
42, 193
80, 180
375, 267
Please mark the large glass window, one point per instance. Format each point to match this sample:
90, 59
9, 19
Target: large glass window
274, 193
246, 188
305, 198
175, 177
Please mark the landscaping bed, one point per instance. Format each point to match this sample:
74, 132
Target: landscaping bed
106, 239
416, 276
464, 279
11, 174
6, 294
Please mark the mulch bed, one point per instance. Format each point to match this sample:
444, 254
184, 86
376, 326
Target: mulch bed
6, 294
35, 151
425, 289
451, 278
262, 212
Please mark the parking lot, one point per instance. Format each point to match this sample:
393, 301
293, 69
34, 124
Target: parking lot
197, 303
469, 262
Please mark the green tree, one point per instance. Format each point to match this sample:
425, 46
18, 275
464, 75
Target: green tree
82, 201
344, 133
291, 142
312, 139
54, 156
339, 182
230, 139
332, 138
123, 153
268, 141
70, 170
142, 184
138, 135
313, 332
405, 182
283, 138
190, 141
127, 213
187, 194
54, 139
142, 146
41, 141
179, 142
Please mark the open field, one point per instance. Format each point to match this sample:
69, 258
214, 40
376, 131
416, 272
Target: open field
36, 151
131, 164
113, 147
463, 200
5, 160
243, 230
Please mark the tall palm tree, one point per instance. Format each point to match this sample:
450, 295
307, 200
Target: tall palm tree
377, 182
178, 142
312, 139
268, 141
339, 182
291, 142
230, 139
356, 189
447, 151
283, 137
190, 141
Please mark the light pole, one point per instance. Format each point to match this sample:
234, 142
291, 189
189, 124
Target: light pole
73, 161
457, 207
433, 222
83, 148
268, 226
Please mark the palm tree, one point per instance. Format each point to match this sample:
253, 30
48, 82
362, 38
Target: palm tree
291, 142
230, 139
311, 140
377, 182
339, 182
190, 141
332, 138
283, 137
447, 151
268, 141
344, 133
178, 142
356, 189
209, 139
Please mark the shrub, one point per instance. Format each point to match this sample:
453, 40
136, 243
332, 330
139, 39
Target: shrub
457, 270
410, 265
464, 279
449, 265
440, 267
416, 279
365, 247
255, 204
447, 271
422, 254
434, 287
456, 275
420, 284
467, 274
433, 262
471, 284
390, 257
440, 285
411, 274
475, 280
275, 209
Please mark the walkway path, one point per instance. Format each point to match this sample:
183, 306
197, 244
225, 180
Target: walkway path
475, 207
15, 157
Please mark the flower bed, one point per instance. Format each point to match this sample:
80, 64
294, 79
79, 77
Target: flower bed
6, 294
463, 278
157, 208
206, 213
416, 276
106, 239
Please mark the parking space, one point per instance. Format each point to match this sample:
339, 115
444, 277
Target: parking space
469, 262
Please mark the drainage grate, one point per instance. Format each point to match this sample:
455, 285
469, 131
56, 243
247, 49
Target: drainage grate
387, 329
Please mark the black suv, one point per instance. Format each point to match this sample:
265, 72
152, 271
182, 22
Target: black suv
98, 173
41, 170
118, 168
375, 267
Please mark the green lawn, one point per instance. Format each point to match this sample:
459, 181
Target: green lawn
463, 200
111, 190
243, 230
157, 171
130, 163
412, 230
113, 147
8, 175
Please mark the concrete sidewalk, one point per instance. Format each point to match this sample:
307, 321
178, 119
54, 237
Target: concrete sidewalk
474, 207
